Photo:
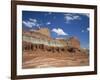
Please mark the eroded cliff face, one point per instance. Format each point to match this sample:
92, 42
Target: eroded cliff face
74, 42
40, 50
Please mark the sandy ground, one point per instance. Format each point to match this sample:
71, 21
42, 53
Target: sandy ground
41, 59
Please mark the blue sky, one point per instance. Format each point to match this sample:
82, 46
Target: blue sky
61, 25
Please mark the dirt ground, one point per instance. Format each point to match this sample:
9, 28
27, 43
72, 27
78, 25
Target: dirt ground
42, 59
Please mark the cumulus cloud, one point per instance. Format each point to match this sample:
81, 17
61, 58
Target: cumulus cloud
48, 23
31, 22
88, 29
82, 31
71, 17
59, 31
27, 23
49, 13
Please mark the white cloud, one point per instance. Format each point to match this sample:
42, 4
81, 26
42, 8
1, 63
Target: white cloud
71, 17
48, 23
49, 13
88, 29
86, 14
85, 30
82, 31
28, 24
68, 18
59, 31
31, 22
76, 17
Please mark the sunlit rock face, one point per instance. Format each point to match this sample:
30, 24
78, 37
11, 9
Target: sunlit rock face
74, 42
42, 36
41, 50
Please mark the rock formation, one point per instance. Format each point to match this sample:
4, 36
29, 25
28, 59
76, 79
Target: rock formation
38, 45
